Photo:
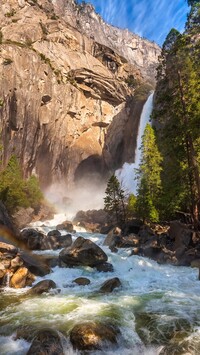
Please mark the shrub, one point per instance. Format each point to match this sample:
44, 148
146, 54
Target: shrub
17, 192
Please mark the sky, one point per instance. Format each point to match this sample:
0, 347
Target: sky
151, 19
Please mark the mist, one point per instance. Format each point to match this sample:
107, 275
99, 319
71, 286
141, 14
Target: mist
84, 195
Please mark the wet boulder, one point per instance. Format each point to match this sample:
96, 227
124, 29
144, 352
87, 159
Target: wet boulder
113, 238
41, 287
105, 267
54, 233
21, 278
132, 240
83, 252
109, 285
36, 264
93, 336
82, 281
180, 234
66, 225
196, 263
56, 241
36, 240
47, 341
32, 238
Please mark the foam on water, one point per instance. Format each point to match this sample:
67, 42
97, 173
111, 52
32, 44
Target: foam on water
162, 289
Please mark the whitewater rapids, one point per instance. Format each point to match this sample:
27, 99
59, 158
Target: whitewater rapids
171, 293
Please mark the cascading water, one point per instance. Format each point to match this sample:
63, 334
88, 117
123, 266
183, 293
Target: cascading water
157, 308
126, 174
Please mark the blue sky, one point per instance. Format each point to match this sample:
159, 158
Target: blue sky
151, 19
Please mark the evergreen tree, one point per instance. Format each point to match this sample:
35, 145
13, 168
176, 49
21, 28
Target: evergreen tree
15, 191
178, 111
149, 181
114, 202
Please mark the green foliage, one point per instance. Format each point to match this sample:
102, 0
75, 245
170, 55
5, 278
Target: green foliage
131, 205
193, 20
33, 192
149, 180
192, 2
177, 112
15, 191
114, 202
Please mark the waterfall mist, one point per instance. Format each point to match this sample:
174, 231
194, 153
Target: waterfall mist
126, 174
85, 195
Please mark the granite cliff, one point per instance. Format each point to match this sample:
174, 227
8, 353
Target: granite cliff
70, 97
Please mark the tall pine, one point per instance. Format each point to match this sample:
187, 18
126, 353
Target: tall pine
149, 181
177, 112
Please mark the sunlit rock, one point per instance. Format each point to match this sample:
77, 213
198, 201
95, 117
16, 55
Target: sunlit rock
93, 336
83, 252
109, 285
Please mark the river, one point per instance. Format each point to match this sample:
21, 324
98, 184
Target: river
157, 308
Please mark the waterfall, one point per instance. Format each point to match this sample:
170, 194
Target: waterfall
126, 174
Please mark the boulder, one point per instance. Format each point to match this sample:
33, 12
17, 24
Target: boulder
33, 238
54, 233
109, 285
56, 242
130, 241
47, 341
113, 239
93, 336
66, 225
36, 264
36, 240
146, 233
91, 216
6, 221
82, 281
181, 234
21, 278
196, 263
8, 248
105, 267
41, 287
83, 252
23, 216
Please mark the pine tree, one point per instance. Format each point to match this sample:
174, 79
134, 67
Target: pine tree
149, 181
178, 111
15, 191
114, 202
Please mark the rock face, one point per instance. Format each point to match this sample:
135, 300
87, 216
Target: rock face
65, 96
138, 51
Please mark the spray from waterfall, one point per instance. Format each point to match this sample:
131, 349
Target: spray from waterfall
126, 174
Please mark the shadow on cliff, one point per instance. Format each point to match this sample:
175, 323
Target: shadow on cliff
121, 135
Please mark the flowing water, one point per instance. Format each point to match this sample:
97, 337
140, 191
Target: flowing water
157, 308
126, 174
